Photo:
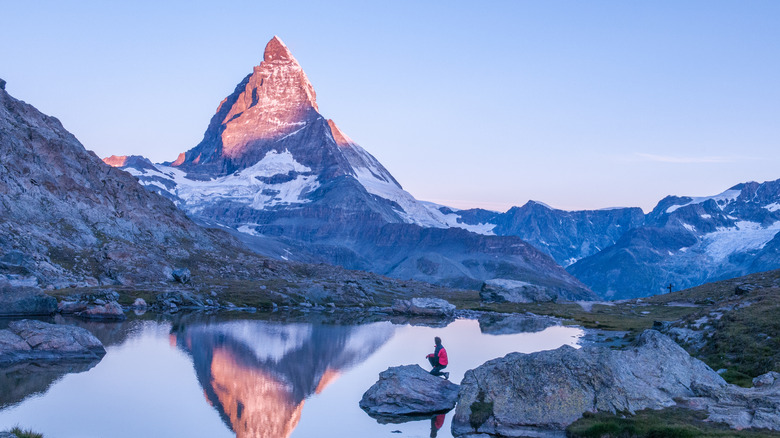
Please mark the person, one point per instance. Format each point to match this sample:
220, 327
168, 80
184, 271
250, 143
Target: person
438, 359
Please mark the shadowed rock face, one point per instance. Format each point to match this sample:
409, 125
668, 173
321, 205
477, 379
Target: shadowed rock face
257, 375
66, 217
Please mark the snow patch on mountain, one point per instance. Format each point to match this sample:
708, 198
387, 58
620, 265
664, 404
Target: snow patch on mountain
743, 237
721, 199
250, 186
773, 206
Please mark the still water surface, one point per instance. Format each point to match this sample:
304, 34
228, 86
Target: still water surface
199, 376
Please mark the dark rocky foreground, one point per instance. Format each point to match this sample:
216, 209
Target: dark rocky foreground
546, 391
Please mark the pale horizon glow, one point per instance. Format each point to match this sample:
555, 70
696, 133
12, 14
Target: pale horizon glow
580, 105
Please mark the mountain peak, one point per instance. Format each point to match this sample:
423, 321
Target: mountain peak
269, 104
276, 50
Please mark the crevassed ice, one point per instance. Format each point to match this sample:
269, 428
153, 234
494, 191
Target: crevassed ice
744, 236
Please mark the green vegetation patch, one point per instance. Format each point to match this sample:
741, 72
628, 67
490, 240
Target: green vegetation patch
668, 423
20, 433
481, 410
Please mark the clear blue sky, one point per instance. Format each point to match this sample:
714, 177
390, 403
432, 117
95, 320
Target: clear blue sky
579, 104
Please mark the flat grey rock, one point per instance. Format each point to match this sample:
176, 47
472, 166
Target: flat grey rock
408, 390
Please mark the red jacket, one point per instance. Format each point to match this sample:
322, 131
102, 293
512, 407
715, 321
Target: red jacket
443, 361
443, 357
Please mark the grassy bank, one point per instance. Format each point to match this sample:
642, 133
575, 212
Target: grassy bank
667, 423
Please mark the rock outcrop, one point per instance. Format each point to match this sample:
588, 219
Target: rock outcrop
15, 301
551, 389
29, 340
408, 390
501, 290
741, 408
424, 307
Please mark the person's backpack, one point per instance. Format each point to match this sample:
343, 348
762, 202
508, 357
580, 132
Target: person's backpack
443, 357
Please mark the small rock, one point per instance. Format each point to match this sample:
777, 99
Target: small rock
139, 303
181, 275
72, 306
767, 379
2, 84
109, 311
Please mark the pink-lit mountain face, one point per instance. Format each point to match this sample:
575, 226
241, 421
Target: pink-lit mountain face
293, 186
275, 109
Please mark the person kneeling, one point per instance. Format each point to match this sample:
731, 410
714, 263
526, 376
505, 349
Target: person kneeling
438, 359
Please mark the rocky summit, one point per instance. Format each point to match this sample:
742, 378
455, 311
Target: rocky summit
293, 186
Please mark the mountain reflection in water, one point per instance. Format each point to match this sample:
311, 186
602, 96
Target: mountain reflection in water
257, 374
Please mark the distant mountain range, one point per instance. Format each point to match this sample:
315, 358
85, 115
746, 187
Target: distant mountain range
287, 181
290, 184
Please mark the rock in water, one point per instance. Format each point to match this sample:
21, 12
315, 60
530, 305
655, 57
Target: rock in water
552, 389
408, 390
29, 340
25, 301
423, 307
107, 311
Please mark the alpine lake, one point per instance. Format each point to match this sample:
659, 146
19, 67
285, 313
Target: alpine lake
247, 375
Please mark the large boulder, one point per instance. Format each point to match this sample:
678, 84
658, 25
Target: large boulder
552, 389
408, 390
423, 307
501, 290
29, 340
16, 300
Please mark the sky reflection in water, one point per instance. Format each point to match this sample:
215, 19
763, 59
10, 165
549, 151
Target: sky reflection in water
250, 378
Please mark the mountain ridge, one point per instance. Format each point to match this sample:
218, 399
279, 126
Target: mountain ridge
270, 166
